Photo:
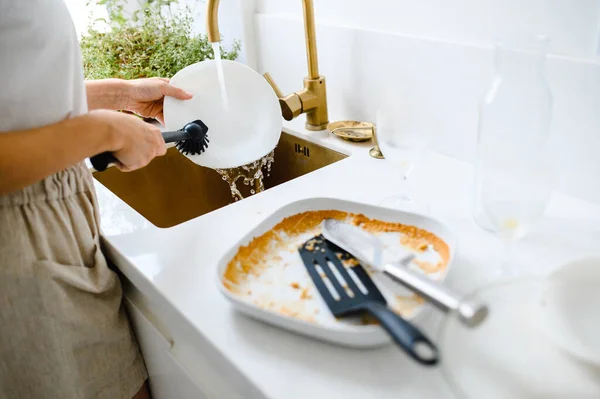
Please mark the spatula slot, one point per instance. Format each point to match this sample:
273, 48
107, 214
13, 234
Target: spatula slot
357, 281
340, 279
327, 283
342, 271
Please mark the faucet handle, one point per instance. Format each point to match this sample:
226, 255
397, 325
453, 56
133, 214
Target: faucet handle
273, 85
291, 105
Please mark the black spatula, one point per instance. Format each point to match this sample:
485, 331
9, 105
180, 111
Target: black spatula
345, 296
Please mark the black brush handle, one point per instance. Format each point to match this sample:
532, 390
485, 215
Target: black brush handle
101, 161
410, 338
176, 135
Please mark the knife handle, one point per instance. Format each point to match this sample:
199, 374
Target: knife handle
469, 312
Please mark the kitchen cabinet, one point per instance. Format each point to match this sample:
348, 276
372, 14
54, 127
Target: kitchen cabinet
176, 369
167, 377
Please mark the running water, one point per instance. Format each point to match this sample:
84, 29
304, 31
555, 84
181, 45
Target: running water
251, 175
217, 52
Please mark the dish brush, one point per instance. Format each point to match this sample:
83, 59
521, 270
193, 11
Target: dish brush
192, 139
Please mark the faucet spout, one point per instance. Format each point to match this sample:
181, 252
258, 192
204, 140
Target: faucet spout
212, 21
312, 99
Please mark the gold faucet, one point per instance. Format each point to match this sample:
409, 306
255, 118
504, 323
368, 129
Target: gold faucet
312, 99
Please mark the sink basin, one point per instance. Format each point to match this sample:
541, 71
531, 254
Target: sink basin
172, 189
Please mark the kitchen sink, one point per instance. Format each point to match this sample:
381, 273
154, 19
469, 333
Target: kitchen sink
172, 189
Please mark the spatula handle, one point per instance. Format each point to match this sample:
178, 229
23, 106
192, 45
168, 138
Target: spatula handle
406, 335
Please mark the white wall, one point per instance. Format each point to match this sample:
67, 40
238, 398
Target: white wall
80, 14
440, 52
573, 25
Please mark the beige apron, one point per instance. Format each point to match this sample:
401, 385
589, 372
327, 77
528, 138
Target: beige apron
64, 332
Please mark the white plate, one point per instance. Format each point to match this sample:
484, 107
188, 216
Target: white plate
507, 356
342, 332
242, 132
570, 308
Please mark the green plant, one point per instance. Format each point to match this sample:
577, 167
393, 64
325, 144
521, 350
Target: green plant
153, 41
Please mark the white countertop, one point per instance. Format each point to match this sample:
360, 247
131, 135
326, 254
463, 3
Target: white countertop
176, 268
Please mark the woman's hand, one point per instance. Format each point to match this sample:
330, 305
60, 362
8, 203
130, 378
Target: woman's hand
132, 141
141, 96
146, 96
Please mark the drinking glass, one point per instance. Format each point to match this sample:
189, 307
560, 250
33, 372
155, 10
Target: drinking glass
403, 137
514, 171
514, 199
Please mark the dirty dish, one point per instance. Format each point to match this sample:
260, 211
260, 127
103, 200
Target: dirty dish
263, 275
245, 122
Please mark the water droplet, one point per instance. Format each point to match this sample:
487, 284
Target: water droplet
250, 174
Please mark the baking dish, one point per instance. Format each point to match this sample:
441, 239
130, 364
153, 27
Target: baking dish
284, 279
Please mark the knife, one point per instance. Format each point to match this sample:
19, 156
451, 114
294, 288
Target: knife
350, 238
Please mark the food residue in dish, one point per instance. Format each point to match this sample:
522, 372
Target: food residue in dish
305, 294
405, 305
350, 262
428, 267
273, 258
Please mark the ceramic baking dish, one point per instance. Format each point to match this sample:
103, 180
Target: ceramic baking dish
283, 294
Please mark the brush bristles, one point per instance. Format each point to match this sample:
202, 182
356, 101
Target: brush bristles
192, 147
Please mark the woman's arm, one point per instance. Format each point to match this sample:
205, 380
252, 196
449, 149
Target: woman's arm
31, 155
28, 156
141, 96
112, 94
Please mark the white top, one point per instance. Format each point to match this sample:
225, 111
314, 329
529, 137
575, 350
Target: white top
41, 72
